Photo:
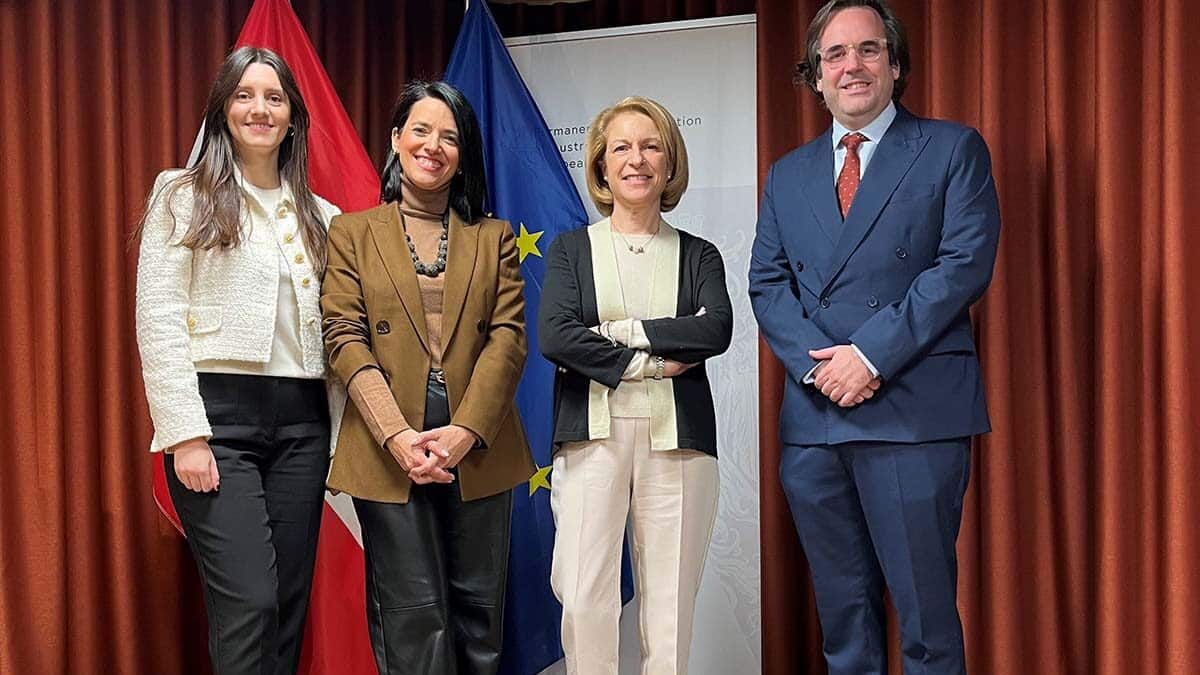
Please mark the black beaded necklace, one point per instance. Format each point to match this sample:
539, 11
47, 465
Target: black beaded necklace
437, 266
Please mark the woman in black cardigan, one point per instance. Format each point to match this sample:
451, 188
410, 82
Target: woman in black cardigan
631, 309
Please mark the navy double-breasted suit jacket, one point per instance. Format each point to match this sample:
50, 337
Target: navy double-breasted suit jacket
896, 279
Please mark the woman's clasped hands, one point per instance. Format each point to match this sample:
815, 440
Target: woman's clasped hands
428, 456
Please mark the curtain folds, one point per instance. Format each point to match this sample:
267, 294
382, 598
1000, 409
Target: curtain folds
518, 18
1078, 552
98, 97
1078, 548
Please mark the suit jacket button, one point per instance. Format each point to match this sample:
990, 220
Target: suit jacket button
872, 302
799, 266
901, 253
480, 325
383, 328
824, 303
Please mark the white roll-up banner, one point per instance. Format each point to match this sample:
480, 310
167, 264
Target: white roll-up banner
703, 72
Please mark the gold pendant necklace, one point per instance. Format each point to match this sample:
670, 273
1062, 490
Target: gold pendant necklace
636, 250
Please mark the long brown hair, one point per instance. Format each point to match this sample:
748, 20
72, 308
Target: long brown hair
216, 197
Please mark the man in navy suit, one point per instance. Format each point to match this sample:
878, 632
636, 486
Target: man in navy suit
873, 240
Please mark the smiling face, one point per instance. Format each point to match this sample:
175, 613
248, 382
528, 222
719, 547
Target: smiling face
856, 91
428, 144
258, 112
635, 161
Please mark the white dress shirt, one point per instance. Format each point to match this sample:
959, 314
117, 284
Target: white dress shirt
866, 150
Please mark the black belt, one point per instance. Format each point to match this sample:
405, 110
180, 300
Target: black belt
437, 405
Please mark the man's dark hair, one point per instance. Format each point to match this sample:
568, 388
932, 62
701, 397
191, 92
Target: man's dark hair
808, 71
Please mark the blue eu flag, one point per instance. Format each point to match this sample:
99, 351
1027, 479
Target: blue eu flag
528, 185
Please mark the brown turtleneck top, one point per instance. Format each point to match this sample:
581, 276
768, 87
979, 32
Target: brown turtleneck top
422, 212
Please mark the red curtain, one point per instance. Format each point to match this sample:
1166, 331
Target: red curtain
1078, 553
522, 19
97, 97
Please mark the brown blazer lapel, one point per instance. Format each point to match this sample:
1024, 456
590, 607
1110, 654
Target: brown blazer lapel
460, 268
388, 234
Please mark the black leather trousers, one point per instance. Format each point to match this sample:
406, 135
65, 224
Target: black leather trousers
436, 572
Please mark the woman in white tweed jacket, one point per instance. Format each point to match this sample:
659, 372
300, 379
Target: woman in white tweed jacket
228, 325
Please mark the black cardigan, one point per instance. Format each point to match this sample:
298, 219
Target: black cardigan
568, 308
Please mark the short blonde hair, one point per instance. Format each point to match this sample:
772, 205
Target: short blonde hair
597, 142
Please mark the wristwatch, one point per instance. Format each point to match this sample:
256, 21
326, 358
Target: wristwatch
660, 364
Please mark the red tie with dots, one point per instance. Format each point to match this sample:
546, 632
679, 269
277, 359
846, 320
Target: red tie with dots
847, 182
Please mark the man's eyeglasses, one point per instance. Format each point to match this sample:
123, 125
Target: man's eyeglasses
868, 51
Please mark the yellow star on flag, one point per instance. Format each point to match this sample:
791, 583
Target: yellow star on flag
541, 479
527, 243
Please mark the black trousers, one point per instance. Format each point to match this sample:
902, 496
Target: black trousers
436, 571
255, 538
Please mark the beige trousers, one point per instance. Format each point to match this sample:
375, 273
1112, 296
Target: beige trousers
670, 501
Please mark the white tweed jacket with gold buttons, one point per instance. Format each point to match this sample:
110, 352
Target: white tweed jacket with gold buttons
217, 304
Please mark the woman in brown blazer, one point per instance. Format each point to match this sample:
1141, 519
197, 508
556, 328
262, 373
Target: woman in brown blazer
424, 321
